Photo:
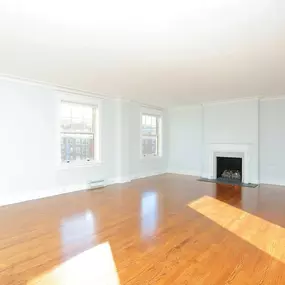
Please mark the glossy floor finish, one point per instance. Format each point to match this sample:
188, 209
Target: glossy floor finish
168, 229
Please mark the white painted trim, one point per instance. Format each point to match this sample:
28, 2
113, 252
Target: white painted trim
258, 141
59, 88
147, 111
143, 105
69, 189
66, 89
270, 182
79, 98
150, 157
43, 194
281, 97
228, 150
83, 164
185, 107
71, 90
144, 175
91, 101
185, 172
118, 180
229, 101
151, 111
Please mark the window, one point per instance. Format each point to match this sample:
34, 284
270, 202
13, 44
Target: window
151, 135
79, 128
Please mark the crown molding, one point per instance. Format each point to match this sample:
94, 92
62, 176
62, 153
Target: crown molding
228, 101
185, 107
142, 105
234, 100
59, 88
70, 90
281, 97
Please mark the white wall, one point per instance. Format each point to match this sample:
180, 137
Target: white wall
186, 129
138, 166
30, 166
234, 124
258, 124
27, 123
131, 164
29, 144
272, 141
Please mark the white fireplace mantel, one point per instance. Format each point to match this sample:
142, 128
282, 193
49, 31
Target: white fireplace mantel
229, 150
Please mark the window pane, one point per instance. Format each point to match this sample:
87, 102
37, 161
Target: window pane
149, 128
149, 131
149, 146
76, 117
153, 122
148, 120
77, 147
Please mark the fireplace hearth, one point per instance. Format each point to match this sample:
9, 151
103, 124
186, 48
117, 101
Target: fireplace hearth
230, 164
229, 169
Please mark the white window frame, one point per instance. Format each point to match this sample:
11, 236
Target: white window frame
158, 114
89, 101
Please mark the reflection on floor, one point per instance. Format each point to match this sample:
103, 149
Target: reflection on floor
94, 266
77, 231
149, 214
144, 233
262, 234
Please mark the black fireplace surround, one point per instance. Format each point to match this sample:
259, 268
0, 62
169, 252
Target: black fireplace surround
229, 168
229, 171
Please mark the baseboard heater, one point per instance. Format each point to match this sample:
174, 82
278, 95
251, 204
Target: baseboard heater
96, 184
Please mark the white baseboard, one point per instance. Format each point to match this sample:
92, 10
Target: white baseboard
270, 182
118, 180
206, 175
144, 175
42, 194
18, 198
185, 172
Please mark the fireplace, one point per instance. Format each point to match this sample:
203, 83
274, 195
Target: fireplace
229, 168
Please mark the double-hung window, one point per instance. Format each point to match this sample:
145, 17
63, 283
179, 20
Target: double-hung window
150, 135
79, 132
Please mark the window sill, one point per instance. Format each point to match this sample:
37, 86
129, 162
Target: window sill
66, 166
147, 157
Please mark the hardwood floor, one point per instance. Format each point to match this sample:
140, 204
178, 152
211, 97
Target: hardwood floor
168, 229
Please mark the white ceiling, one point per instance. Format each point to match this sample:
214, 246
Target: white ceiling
160, 52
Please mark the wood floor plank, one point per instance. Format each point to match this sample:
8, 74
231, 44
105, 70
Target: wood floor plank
169, 229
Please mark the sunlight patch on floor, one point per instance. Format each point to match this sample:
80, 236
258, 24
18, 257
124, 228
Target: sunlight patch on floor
94, 266
260, 233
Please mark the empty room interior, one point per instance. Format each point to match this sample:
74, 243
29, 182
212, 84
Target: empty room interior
142, 142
